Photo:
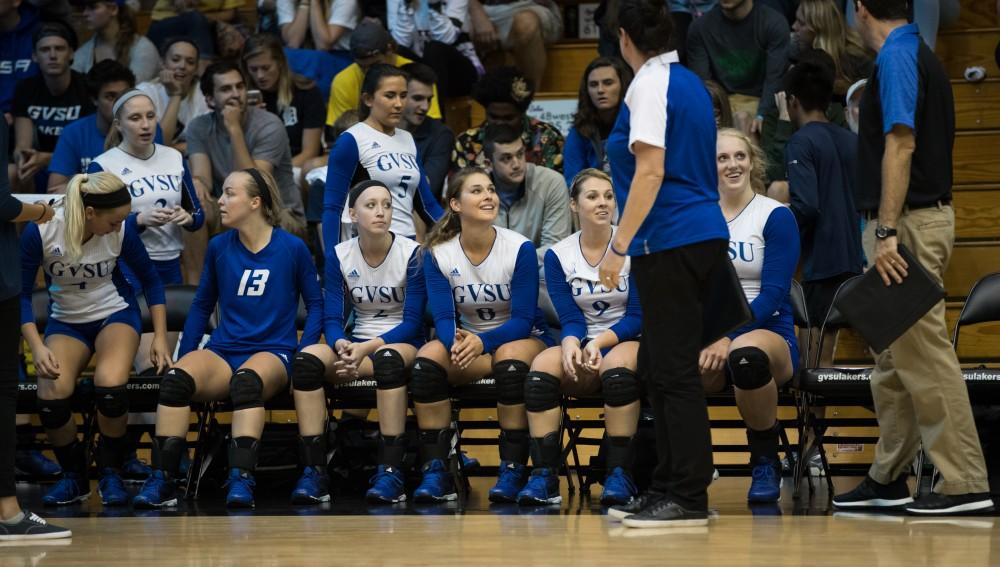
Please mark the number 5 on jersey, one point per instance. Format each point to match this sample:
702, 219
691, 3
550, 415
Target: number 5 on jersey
253, 282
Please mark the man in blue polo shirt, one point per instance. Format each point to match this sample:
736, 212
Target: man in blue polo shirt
83, 139
904, 190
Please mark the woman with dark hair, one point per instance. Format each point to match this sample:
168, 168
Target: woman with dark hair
720, 105
662, 154
377, 276
255, 275
376, 148
116, 37
602, 89
505, 94
482, 288
288, 95
175, 91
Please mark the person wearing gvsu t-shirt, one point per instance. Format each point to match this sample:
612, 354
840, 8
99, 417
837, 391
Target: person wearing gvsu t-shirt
44, 104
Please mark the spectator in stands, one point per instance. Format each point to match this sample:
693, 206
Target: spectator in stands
532, 197
175, 92
46, 103
116, 37
217, 10
15, 523
506, 96
236, 136
602, 89
370, 45
904, 182
315, 180
820, 24
188, 23
683, 12
778, 128
432, 31
290, 96
83, 140
229, 41
720, 105
522, 27
763, 354
293, 18
822, 175
332, 23
18, 21
742, 46
853, 109
433, 138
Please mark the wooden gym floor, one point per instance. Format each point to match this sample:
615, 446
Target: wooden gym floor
347, 532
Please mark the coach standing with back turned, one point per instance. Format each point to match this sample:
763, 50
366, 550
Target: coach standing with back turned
662, 156
904, 191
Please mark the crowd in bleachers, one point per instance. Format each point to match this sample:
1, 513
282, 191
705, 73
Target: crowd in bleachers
328, 121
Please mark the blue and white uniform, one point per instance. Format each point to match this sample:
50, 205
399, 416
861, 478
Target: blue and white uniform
497, 299
667, 107
363, 153
160, 181
90, 293
258, 298
764, 249
586, 308
388, 299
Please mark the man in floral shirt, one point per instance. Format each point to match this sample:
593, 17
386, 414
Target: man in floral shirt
505, 95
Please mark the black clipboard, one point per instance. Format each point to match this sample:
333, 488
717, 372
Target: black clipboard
880, 313
725, 308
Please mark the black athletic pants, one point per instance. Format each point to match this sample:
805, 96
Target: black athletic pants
10, 335
671, 287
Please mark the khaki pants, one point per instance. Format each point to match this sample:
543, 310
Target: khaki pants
917, 384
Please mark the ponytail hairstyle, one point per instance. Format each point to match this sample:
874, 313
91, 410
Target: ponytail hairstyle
79, 190
263, 185
647, 23
114, 136
450, 224
758, 161
373, 80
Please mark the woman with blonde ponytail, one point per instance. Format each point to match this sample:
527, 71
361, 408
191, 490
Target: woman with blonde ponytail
488, 276
255, 274
93, 313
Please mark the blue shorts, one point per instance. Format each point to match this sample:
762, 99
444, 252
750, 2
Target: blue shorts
87, 333
788, 334
237, 359
168, 270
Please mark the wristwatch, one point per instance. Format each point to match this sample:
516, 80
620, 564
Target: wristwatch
883, 232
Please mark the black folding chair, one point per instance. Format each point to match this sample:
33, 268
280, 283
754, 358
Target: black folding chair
821, 387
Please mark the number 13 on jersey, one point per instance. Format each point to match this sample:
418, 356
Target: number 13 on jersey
253, 282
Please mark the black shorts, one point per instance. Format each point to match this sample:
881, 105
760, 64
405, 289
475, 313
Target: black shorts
819, 297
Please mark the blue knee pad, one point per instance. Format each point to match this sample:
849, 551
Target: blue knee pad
246, 390
541, 392
429, 383
750, 368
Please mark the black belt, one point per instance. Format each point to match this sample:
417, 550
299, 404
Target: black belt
872, 214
